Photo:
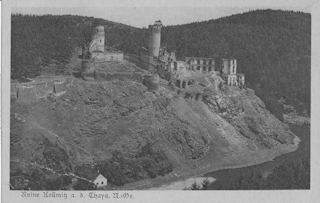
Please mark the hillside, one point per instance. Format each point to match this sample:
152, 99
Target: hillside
273, 47
130, 135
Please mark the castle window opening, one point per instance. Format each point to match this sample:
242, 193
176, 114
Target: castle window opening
198, 61
184, 84
210, 68
204, 68
198, 68
178, 83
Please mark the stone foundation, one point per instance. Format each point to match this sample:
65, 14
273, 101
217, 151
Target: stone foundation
26, 93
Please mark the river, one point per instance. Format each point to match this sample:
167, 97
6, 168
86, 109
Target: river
228, 175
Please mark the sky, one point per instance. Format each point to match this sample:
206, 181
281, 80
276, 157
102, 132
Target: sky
170, 12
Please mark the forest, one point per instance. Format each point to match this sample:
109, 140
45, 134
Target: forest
290, 175
273, 47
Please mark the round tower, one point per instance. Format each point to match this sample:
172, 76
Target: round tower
155, 38
99, 38
152, 82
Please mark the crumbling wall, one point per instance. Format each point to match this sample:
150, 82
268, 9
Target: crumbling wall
26, 93
152, 82
140, 63
109, 76
30, 92
60, 87
86, 64
107, 56
43, 88
88, 76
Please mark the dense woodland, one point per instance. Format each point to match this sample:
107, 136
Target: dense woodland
290, 175
273, 47
125, 168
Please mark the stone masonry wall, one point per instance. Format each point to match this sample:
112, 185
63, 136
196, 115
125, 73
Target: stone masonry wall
35, 90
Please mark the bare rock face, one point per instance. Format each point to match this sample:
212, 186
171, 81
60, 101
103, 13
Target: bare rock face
91, 120
245, 111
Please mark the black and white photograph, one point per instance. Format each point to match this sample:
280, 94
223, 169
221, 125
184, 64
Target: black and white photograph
105, 102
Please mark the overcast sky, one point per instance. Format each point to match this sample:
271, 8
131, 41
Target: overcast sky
142, 13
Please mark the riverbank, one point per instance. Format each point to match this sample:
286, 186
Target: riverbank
244, 163
302, 153
186, 184
295, 119
235, 161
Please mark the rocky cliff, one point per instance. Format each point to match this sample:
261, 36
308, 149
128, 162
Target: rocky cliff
199, 129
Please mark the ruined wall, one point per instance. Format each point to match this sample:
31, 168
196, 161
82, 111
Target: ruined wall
140, 63
107, 56
30, 92
42, 88
86, 64
152, 82
108, 76
88, 76
60, 87
26, 93
229, 66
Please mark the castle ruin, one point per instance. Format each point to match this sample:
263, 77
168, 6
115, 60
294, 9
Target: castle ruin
158, 60
98, 51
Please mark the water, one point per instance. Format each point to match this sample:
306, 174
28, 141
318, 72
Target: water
303, 152
185, 184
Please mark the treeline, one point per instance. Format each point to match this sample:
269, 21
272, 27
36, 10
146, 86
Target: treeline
120, 169
273, 50
273, 47
286, 176
38, 41
125, 168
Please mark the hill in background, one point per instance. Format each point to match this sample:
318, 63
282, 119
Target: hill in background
273, 48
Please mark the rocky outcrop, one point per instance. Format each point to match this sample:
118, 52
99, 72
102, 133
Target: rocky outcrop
246, 112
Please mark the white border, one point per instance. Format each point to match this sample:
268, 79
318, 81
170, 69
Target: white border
312, 195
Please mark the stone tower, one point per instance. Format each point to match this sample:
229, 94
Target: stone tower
98, 39
155, 38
